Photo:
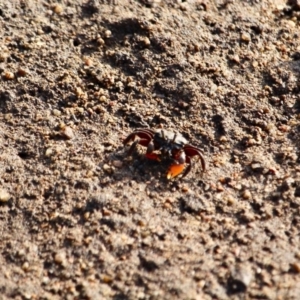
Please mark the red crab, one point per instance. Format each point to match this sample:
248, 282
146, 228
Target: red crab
163, 144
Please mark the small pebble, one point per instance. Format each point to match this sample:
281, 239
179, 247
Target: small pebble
167, 205
57, 8
88, 240
251, 142
9, 75
230, 200
241, 276
3, 56
107, 33
103, 98
146, 41
117, 163
56, 112
106, 212
246, 194
255, 166
185, 189
60, 258
106, 167
289, 23
4, 196
223, 139
22, 72
296, 267
236, 58
248, 217
49, 152
245, 37
88, 62
106, 279
86, 215
25, 266
284, 128
219, 187
89, 174
80, 110
100, 41
141, 223
45, 280
79, 92
67, 132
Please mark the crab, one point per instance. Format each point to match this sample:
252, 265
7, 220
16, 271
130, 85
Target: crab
163, 145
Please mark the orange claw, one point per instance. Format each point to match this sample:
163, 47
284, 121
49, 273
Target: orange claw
175, 170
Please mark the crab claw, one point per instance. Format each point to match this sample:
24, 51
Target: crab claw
175, 170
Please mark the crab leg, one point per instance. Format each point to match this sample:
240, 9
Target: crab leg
150, 154
134, 144
188, 168
192, 151
145, 136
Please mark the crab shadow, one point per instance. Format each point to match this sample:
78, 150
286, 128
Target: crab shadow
140, 169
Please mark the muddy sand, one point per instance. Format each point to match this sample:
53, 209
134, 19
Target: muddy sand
81, 219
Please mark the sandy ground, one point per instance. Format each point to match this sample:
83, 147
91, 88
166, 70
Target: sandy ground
80, 219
